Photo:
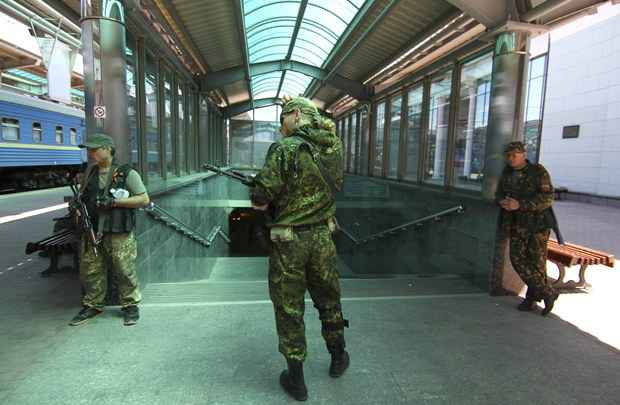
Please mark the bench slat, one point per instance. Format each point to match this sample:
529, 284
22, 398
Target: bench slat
571, 254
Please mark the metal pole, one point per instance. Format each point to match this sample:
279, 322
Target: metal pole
103, 44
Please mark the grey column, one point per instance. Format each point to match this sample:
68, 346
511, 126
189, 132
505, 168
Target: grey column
506, 109
103, 44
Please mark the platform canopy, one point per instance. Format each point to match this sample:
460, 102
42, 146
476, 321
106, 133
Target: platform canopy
251, 52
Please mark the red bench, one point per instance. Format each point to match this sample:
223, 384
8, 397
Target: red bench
571, 254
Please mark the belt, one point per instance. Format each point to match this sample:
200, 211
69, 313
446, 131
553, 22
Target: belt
307, 227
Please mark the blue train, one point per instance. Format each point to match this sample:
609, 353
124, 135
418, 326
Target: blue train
38, 142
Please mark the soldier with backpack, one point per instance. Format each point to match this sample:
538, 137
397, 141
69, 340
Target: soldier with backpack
302, 172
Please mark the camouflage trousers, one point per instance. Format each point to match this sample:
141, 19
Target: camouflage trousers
118, 252
308, 261
528, 255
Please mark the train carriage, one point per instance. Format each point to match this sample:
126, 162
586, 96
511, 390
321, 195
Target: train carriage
38, 141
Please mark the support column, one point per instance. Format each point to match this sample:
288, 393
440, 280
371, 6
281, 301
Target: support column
506, 106
103, 44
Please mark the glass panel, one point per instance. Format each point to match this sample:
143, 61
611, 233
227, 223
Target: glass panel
58, 132
269, 29
414, 131
73, 136
152, 127
377, 169
10, 129
354, 143
345, 141
534, 107
294, 83
168, 123
37, 132
364, 140
471, 123
191, 149
181, 130
437, 134
394, 134
132, 109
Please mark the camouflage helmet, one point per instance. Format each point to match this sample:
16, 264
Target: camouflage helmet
516, 146
304, 105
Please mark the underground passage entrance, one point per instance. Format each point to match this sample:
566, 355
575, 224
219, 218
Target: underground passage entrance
248, 233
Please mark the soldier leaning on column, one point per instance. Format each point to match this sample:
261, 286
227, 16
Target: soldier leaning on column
298, 181
111, 193
525, 194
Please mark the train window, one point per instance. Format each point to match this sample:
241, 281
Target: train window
10, 129
37, 132
59, 135
73, 136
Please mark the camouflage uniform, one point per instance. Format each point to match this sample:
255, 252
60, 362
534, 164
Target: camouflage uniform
303, 254
530, 225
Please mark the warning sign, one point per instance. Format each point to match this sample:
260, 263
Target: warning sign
99, 111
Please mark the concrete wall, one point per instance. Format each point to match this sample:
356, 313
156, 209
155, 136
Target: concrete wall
583, 88
462, 244
164, 254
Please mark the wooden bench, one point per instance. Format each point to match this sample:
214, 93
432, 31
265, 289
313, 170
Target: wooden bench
570, 254
64, 241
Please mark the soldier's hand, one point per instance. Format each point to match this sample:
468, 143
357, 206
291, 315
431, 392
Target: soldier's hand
510, 204
260, 207
105, 202
286, 98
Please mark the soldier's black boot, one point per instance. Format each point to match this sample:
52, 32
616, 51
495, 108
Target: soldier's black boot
340, 360
292, 380
528, 304
549, 302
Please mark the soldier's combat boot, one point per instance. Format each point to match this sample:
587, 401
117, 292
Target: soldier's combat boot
131, 314
528, 304
292, 380
340, 360
84, 315
549, 302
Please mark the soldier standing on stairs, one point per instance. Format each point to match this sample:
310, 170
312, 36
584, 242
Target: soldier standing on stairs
302, 172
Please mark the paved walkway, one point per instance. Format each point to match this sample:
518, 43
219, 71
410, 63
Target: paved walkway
412, 341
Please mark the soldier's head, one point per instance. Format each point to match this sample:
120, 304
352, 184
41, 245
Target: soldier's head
296, 111
516, 154
99, 147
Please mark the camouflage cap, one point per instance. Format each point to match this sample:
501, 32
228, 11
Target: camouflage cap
98, 140
304, 105
516, 146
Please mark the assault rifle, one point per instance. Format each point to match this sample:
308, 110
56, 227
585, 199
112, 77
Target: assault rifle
84, 219
246, 180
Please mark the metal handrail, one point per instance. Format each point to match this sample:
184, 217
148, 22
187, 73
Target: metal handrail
415, 224
167, 218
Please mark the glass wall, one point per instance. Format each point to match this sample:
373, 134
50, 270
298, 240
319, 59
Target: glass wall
191, 135
345, 142
152, 128
363, 140
394, 135
534, 106
377, 167
131, 77
415, 99
181, 160
471, 123
354, 144
437, 133
168, 123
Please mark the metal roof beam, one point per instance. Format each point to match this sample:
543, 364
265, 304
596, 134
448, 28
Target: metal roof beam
223, 77
238, 108
490, 13
240, 14
291, 47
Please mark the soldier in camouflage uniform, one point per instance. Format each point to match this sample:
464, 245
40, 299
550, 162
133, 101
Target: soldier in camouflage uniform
525, 194
113, 217
302, 172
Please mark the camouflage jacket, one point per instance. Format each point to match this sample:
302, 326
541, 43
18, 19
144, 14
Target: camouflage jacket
531, 186
291, 181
